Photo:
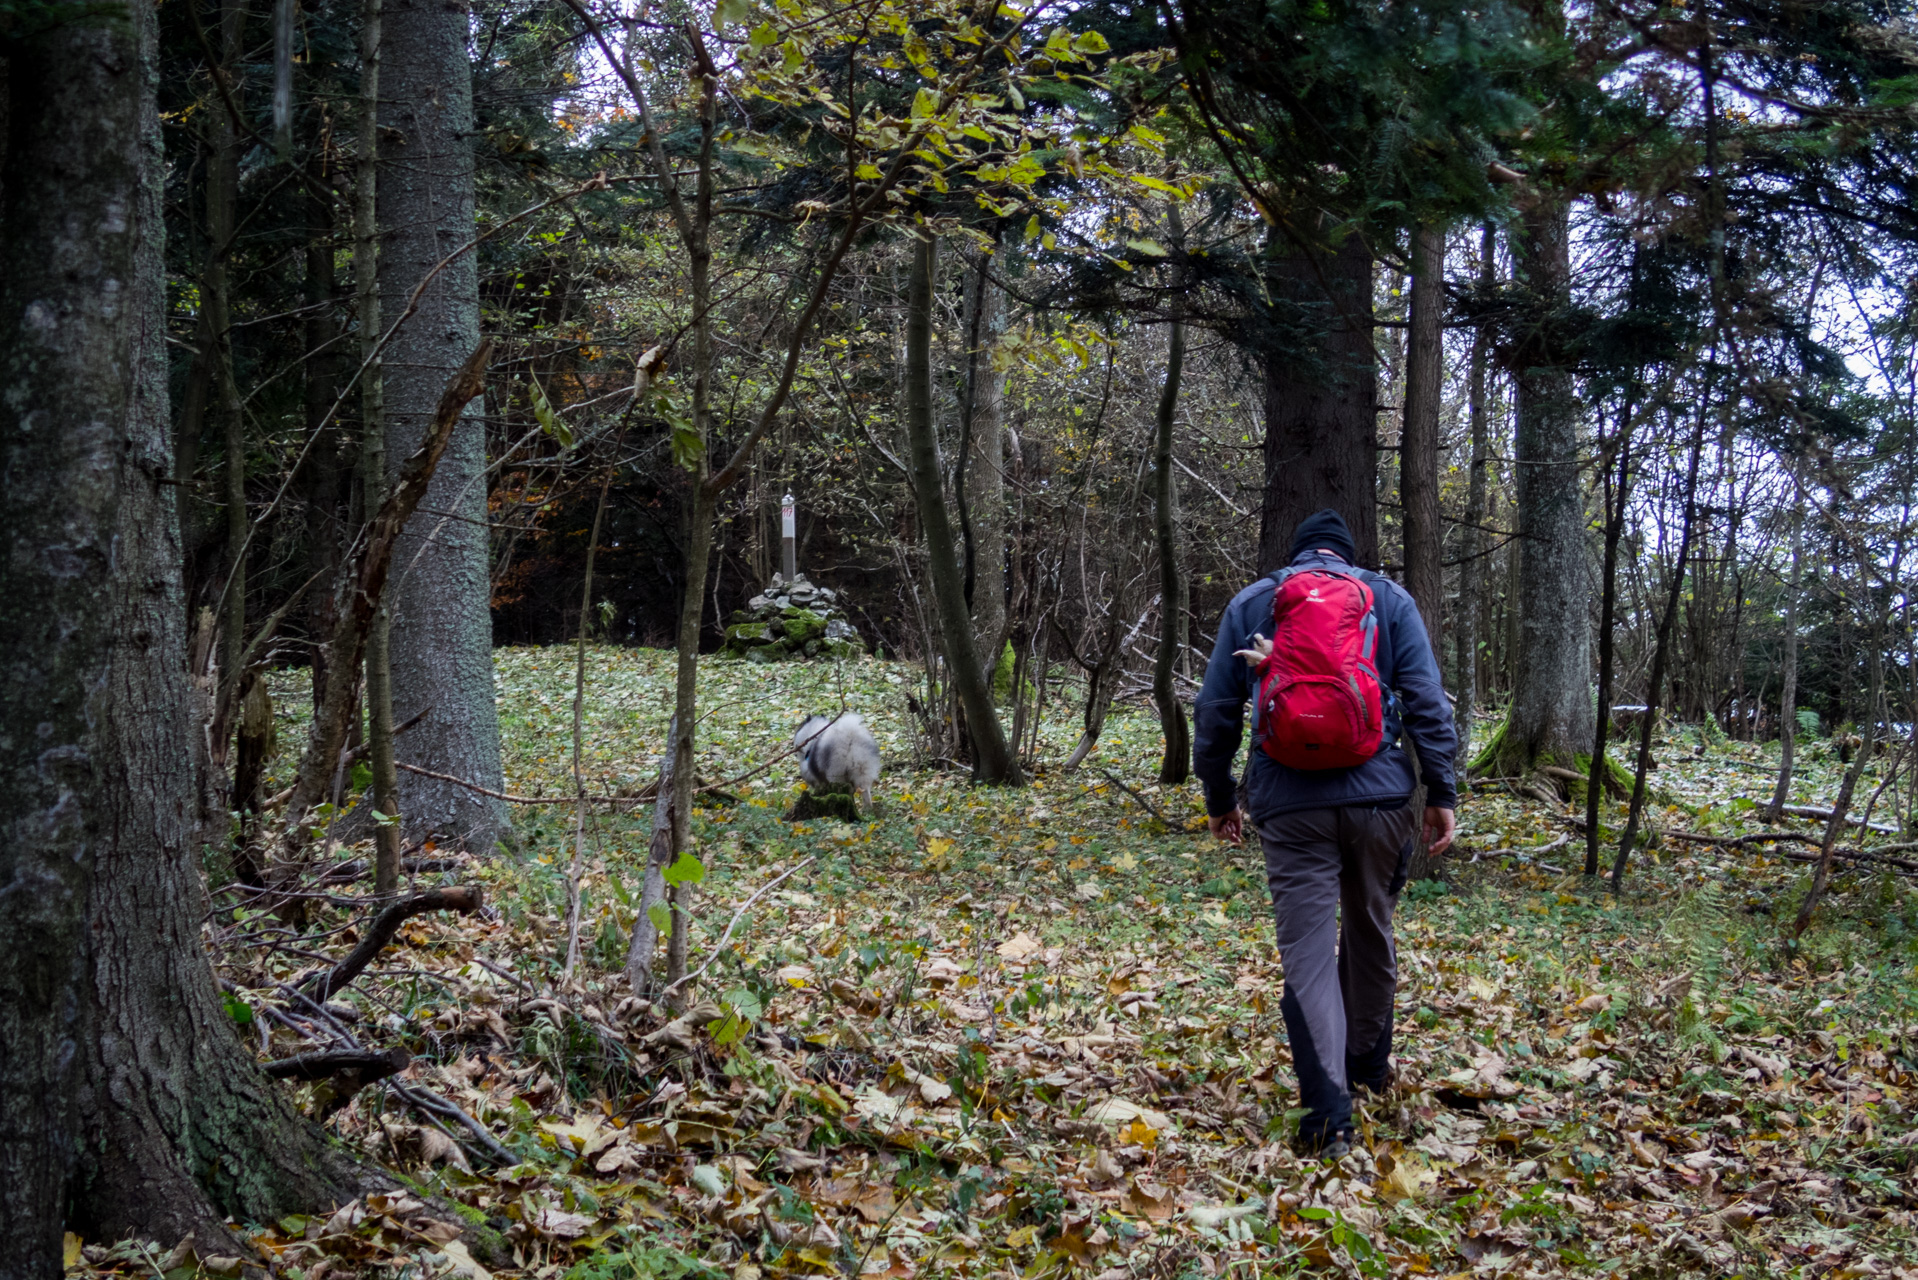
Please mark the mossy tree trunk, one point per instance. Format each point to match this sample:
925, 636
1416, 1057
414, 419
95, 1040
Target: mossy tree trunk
1550, 721
129, 1104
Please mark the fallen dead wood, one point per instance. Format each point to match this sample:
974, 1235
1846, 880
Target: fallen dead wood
1844, 853
462, 898
644, 794
370, 1064
422, 1099
1824, 815
360, 869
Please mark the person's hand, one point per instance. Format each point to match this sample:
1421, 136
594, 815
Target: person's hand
1229, 827
1440, 824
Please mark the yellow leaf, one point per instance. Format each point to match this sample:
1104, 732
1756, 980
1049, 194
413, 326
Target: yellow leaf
71, 1247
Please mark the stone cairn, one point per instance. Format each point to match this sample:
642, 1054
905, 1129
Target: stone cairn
792, 619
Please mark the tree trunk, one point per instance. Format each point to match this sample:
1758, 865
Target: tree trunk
439, 598
1176, 763
128, 1103
328, 474
1474, 549
985, 483
1661, 651
1551, 716
652, 893
992, 759
1419, 438
1788, 698
1617, 496
1868, 733
1321, 394
379, 636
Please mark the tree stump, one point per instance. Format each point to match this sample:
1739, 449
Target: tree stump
836, 803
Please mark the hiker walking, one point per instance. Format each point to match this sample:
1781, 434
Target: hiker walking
1338, 667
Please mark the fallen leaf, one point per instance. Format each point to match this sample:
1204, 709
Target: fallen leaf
1143, 1199
1118, 1111
560, 1225
463, 1262
1020, 946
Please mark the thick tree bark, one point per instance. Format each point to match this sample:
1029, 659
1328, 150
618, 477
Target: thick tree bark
1176, 763
1321, 402
439, 601
1419, 439
992, 758
1788, 698
1551, 716
127, 1103
1475, 549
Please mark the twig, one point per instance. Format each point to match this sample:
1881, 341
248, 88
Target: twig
463, 898
725, 937
507, 974
419, 1096
428, 1101
1150, 808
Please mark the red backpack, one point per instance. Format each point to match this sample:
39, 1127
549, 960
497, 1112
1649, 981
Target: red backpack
1320, 704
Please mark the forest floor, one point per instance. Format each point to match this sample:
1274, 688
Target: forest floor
1031, 1032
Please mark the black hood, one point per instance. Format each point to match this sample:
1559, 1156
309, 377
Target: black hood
1325, 529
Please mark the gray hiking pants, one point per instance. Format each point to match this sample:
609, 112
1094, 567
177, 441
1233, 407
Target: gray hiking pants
1340, 974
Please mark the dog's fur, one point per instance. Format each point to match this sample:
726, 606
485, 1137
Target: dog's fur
838, 753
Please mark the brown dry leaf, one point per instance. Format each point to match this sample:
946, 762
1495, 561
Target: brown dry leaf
1144, 1199
862, 1002
558, 1224
437, 1149
464, 1264
617, 1159
1020, 946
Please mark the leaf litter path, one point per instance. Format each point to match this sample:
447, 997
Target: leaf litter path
1034, 1033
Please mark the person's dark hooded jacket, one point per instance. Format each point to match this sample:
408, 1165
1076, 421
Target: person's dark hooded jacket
1416, 706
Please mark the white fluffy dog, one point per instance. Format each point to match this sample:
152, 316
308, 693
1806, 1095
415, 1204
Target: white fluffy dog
838, 753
